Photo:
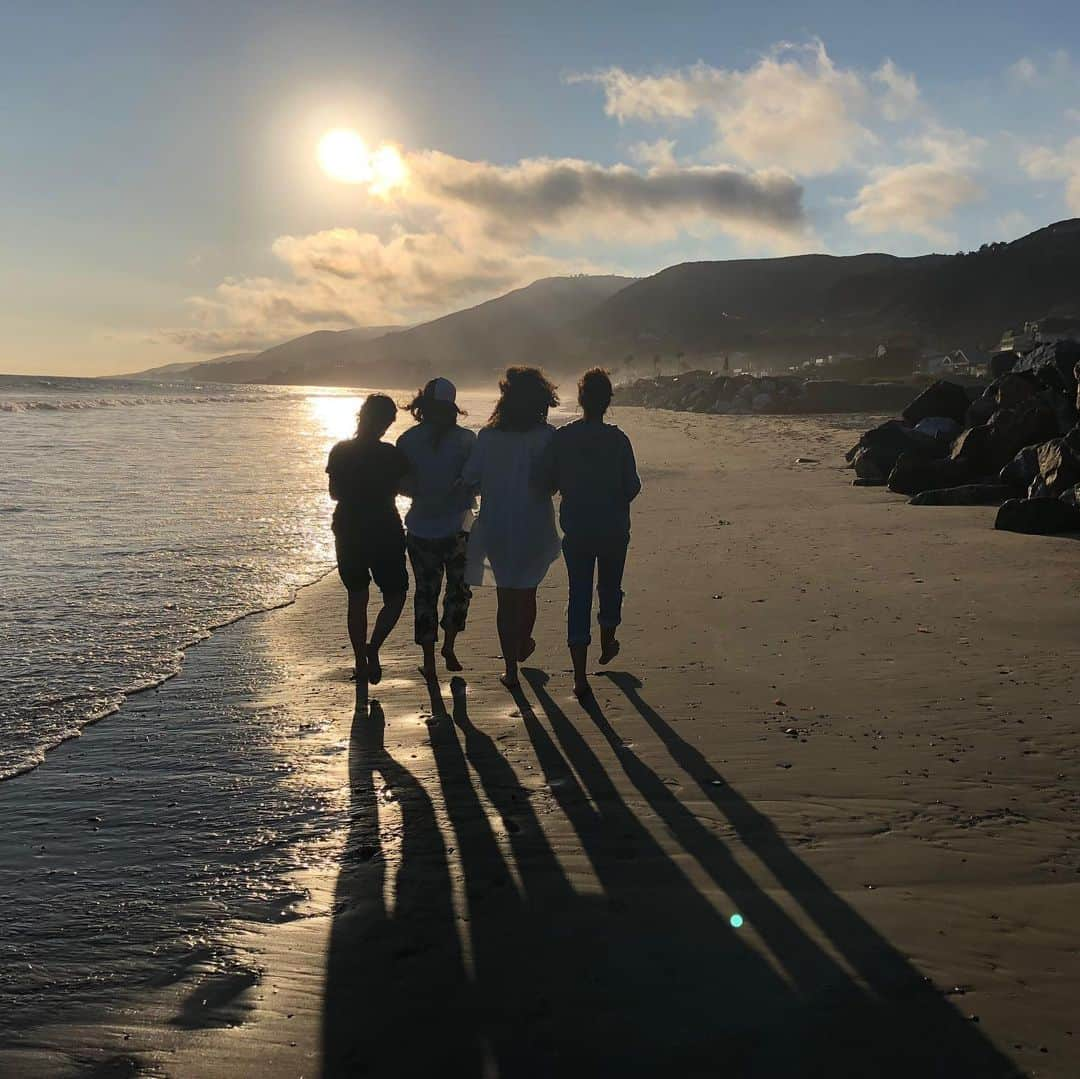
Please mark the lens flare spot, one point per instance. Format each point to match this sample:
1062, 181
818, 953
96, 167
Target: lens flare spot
736, 921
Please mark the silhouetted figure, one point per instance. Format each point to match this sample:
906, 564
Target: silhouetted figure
514, 537
437, 525
591, 463
365, 476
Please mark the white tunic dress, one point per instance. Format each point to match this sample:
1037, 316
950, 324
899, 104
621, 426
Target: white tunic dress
514, 540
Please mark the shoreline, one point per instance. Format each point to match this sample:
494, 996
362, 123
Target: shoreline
880, 805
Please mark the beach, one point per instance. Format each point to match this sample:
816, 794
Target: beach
820, 821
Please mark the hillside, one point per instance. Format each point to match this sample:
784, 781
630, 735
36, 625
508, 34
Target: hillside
783, 308
182, 372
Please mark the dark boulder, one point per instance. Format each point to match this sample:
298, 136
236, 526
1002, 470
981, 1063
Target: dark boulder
1022, 469
980, 412
1011, 389
867, 469
940, 427
1058, 470
941, 399
1072, 497
1038, 516
1063, 407
1001, 363
887, 442
970, 494
988, 449
1054, 365
913, 474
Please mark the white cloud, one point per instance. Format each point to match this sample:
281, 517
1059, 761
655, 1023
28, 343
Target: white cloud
1024, 71
793, 109
1047, 163
901, 91
919, 197
463, 231
1051, 68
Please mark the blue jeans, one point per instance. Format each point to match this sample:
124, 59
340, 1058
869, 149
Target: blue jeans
608, 559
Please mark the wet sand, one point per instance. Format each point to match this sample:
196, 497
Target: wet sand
846, 721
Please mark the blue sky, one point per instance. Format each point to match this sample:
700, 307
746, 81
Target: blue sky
161, 197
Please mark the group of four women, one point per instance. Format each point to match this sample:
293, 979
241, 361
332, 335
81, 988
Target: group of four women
516, 463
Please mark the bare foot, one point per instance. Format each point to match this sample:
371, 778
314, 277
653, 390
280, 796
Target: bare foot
582, 690
374, 667
452, 662
527, 649
609, 650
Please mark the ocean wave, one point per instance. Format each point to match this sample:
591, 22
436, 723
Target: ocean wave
75, 404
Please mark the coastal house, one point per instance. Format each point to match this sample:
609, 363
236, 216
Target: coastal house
970, 362
1017, 340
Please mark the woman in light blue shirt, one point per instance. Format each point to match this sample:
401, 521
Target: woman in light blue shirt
437, 525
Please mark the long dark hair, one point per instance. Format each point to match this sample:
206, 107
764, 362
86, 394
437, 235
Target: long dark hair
440, 416
525, 395
594, 393
376, 414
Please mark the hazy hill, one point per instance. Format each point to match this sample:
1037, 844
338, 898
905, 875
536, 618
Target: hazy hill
182, 372
528, 325
783, 308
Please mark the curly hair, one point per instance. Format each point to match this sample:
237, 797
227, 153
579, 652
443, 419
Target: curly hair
525, 395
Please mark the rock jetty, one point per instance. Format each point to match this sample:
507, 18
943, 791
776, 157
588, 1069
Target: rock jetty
706, 391
1015, 444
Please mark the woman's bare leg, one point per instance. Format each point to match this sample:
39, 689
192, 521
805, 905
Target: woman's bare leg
384, 623
448, 653
527, 624
508, 621
357, 620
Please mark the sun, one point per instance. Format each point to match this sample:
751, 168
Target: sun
344, 156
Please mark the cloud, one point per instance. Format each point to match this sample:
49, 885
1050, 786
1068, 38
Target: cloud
1053, 67
901, 91
793, 109
918, 197
462, 231
1047, 163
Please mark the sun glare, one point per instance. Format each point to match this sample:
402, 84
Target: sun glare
336, 414
344, 156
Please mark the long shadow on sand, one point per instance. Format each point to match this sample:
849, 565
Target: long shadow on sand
634, 975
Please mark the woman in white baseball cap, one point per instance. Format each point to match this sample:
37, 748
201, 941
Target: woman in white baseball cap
438, 522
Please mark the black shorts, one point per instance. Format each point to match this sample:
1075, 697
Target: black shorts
360, 561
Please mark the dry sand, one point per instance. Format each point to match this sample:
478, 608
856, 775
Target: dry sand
851, 722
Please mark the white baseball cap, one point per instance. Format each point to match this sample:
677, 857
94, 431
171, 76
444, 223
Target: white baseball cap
441, 389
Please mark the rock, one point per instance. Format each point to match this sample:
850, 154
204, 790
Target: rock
1022, 469
989, 448
1072, 497
1059, 469
1001, 363
867, 469
1053, 365
1011, 389
969, 494
939, 427
1038, 516
913, 474
941, 399
834, 395
1076, 375
763, 402
893, 438
1063, 407
980, 412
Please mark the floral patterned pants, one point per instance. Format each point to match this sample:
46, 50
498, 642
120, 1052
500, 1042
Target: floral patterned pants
431, 559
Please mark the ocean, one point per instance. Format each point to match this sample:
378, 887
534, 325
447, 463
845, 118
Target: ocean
134, 518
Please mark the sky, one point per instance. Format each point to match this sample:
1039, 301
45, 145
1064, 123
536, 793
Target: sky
162, 197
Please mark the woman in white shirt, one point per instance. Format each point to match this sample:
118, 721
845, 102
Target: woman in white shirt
514, 541
437, 524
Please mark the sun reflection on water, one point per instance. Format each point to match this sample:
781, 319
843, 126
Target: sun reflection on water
336, 413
